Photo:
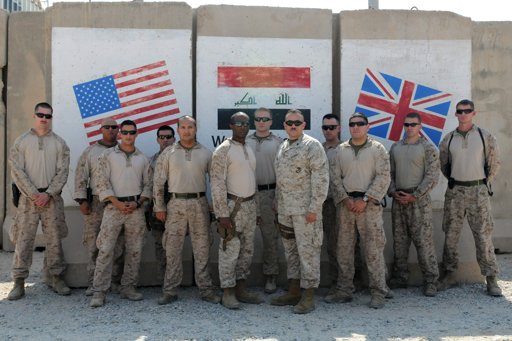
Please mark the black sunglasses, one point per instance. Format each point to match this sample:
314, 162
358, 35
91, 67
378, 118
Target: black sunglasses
240, 124
464, 111
329, 127
165, 137
41, 115
128, 132
358, 123
411, 125
113, 126
262, 119
294, 123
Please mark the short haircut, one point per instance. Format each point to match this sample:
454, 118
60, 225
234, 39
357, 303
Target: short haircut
414, 115
359, 114
164, 127
43, 105
294, 111
240, 113
186, 117
466, 102
128, 123
330, 117
265, 110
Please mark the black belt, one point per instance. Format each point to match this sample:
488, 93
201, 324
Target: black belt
234, 197
42, 190
408, 190
187, 195
266, 187
356, 194
130, 198
470, 183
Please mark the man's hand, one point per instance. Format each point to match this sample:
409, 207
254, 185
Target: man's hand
359, 206
226, 223
349, 203
310, 217
403, 198
85, 208
162, 216
41, 199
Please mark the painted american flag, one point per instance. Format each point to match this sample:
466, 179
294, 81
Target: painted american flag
144, 95
386, 99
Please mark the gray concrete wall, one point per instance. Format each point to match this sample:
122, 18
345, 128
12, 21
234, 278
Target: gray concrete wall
3, 61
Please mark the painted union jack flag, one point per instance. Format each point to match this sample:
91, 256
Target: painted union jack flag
386, 99
144, 95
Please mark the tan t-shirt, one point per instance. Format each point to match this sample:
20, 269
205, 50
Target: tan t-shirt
265, 149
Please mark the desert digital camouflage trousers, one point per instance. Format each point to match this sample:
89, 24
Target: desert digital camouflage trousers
183, 214
23, 235
331, 229
113, 222
269, 233
414, 222
303, 252
369, 224
158, 235
472, 202
92, 223
235, 261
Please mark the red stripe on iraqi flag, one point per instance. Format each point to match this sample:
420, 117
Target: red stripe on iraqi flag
263, 77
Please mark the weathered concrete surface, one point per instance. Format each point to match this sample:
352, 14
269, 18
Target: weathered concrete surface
491, 74
3, 60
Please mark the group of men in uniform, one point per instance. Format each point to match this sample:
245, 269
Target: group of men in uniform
296, 188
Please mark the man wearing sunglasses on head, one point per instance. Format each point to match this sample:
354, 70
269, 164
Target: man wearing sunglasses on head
360, 179
469, 160
164, 138
302, 172
233, 182
87, 196
124, 178
414, 173
265, 146
39, 161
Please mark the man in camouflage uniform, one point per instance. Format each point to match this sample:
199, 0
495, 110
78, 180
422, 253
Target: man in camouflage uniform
86, 195
414, 172
302, 172
360, 179
124, 184
265, 145
183, 167
233, 183
470, 161
39, 161
164, 138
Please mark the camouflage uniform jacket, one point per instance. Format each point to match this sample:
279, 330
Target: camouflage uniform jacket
39, 162
302, 172
426, 163
369, 169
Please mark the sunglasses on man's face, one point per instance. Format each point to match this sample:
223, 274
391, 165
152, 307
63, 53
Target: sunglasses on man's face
329, 127
358, 123
165, 137
41, 115
240, 124
262, 119
128, 132
464, 111
107, 127
294, 123
407, 125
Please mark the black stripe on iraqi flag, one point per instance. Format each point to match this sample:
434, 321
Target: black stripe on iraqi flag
223, 116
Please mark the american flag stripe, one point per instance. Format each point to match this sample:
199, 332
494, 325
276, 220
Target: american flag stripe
263, 77
143, 94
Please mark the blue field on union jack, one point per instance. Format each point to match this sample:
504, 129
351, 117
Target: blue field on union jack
386, 99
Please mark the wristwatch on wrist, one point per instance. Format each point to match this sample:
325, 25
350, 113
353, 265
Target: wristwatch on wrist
365, 198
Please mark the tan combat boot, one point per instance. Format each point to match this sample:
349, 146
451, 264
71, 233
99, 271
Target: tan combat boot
243, 295
378, 301
447, 281
493, 288
292, 297
131, 294
98, 299
59, 286
338, 296
307, 302
18, 291
229, 299
210, 296
167, 298
270, 285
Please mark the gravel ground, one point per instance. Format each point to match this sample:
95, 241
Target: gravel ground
462, 313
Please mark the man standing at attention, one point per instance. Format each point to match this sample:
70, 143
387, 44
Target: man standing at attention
164, 138
39, 161
470, 161
265, 145
86, 195
183, 166
302, 172
124, 183
360, 179
414, 173
233, 182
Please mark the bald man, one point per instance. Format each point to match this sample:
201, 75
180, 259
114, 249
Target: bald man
86, 194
